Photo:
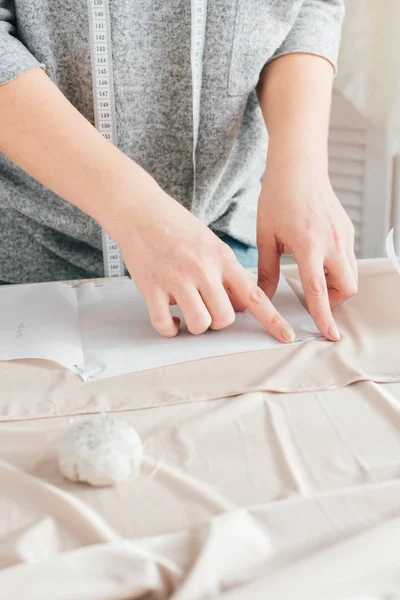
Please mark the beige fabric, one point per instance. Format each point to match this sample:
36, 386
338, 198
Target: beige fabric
226, 557
369, 350
312, 469
259, 495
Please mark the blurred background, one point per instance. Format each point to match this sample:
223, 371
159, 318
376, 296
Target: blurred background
364, 141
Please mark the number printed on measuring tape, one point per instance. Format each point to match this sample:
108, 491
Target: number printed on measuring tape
104, 107
102, 70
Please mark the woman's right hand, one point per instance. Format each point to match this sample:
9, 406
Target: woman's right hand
171, 255
175, 259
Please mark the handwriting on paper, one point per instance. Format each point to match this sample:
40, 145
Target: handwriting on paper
20, 330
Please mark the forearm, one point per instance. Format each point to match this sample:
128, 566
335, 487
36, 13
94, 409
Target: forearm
295, 97
47, 137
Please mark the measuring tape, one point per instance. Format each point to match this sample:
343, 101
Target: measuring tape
104, 107
199, 19
104, 102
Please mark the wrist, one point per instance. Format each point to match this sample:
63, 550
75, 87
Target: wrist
298, 152
126, 191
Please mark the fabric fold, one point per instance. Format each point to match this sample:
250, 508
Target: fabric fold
227, 551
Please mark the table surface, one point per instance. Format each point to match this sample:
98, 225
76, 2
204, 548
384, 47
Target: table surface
313, 469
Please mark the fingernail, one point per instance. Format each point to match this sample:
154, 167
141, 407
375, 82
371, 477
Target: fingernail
287, 333
333, 332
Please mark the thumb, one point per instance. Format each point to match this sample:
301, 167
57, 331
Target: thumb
268, 267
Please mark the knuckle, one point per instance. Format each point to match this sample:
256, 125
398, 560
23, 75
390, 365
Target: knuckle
223, 320
256, 295
162, 325
316, 286
226, 253
274, 320
201, 271
194, 265
199, 323
265, 277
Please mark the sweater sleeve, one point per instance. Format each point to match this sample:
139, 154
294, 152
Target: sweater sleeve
15, 58
316, 30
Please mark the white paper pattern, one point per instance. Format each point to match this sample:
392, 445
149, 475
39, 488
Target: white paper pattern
41, 321
103, 329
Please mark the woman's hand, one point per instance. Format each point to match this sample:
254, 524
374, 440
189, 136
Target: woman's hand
299, 214
175, 259
298, 210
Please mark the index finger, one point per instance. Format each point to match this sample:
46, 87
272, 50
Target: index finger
241, 285
313, 280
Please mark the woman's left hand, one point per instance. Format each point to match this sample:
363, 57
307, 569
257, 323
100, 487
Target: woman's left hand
299, 214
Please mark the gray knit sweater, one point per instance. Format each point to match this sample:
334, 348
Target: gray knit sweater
42, 237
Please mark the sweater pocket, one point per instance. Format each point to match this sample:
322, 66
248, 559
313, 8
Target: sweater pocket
260, 28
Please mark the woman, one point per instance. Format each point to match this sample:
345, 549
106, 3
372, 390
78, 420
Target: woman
267, 65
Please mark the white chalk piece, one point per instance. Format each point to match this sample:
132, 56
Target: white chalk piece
100, 451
